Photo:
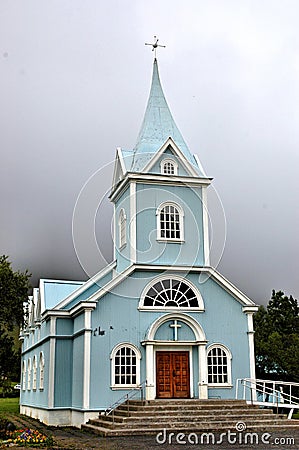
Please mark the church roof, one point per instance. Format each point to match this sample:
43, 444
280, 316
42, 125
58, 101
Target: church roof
157, 126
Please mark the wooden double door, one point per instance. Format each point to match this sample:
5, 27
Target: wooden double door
172, 375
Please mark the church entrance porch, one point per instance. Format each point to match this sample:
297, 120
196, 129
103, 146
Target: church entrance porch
172, 374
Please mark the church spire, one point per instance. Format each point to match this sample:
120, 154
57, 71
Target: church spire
157, 126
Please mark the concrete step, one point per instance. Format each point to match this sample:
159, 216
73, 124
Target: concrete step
141, 421
264, 427
187, 416
123, 412
173, 407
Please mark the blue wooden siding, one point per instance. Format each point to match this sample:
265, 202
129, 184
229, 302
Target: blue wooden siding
63, 373
149, 249
77, 380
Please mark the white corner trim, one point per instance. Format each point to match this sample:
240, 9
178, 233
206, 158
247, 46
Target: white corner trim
251, 345
205, 221
51, 363
86, 362
133, 218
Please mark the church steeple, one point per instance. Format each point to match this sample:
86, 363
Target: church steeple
157, 126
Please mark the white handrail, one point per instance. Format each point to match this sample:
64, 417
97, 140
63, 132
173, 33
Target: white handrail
269, 393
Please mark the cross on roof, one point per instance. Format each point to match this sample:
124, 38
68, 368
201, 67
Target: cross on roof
155, 45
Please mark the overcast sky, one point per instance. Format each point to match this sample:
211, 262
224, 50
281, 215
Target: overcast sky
74, 81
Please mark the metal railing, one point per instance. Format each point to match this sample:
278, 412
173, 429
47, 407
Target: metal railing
125, 398
269, 393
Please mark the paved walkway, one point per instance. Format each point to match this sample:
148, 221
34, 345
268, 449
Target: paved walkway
74, 439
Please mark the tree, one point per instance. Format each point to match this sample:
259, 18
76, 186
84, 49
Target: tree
14, 288
277, 339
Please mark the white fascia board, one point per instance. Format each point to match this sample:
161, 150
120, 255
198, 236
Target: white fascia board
250, 309
51, 313
232, 289
175, 180
227, 285
86, 285
111, 284
178, 153
82, 306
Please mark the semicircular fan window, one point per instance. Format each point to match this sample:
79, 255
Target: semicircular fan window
171, 293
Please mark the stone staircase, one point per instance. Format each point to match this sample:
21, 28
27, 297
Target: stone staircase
199, 416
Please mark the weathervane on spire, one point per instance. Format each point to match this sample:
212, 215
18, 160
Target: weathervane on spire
155, 45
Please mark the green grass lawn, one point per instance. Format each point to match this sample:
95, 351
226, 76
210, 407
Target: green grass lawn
9, 405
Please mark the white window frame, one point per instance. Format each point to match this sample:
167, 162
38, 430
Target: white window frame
29, 374
41, 370
229, 366
166, 162
122, 229
113, 354
181, 223
24, 371
200, 307
34, 373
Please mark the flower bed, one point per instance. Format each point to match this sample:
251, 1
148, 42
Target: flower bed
27, 438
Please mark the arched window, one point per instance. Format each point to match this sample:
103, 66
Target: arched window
219, 365
125, 362
170, 222
122, 228
170, 293
34, 370
29, 374
24, 375
169, 167
41, 370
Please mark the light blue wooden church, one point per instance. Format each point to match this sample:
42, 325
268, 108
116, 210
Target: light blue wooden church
159, 315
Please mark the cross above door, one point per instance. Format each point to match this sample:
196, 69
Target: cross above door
175, 327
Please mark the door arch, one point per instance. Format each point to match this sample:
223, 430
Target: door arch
155, 345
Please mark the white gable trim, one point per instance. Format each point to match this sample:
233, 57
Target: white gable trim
182, 158
119, 163
227, 285
86, 285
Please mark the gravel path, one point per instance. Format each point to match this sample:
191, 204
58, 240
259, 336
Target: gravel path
74, 439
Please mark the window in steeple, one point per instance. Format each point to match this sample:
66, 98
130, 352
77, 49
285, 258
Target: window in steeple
169, 167
122, 226
170, 222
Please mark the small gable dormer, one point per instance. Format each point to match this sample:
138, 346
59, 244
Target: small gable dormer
169, 166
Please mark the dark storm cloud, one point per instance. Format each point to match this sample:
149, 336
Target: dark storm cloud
74, 80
